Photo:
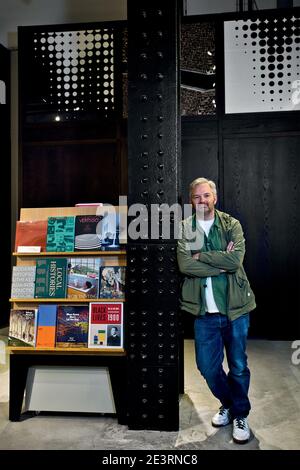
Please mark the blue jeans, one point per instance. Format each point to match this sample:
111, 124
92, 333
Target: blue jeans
212, 334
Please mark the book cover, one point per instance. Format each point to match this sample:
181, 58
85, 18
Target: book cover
88, 232
112, 282
83, 278
22, 327
23, 282
109, 232
105, 325
60, 234
72, 326
51, 278
46, 326
31, 233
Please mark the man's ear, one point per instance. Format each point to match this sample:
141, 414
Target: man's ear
215, 200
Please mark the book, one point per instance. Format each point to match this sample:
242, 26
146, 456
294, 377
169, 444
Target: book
31, 233
88, 232
112, 282
46, 326
72, 326
105, 325
60, 234
23, 282
51, 278
109, 232
22, 327
88, 204
83, 278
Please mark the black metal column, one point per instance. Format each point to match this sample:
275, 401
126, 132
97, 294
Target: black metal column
153, 169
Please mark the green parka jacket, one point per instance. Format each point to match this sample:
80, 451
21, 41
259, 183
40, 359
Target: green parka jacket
240, 296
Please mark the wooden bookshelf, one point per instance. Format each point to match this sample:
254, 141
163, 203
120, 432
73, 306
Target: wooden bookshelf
62, 301
71, 253
62, 351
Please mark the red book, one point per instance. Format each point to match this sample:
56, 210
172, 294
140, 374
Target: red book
31, 233
105, 325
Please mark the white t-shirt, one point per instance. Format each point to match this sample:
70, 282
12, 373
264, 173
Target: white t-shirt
209, 295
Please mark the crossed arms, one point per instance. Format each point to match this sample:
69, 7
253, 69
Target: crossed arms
212, 263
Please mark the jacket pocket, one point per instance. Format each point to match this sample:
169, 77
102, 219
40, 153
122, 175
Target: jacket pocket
240, 293
190, 291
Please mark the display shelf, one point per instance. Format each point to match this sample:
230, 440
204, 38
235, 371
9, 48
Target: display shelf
22, 358
71, 253
65, 301
28, 350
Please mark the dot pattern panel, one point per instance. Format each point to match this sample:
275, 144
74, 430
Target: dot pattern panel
262, 64
79, 69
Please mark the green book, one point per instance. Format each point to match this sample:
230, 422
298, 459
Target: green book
60, 234
51, 278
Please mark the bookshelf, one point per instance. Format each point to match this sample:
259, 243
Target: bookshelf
108, 258
22, 358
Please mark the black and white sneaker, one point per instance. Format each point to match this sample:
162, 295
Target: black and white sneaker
241, 430
222, 418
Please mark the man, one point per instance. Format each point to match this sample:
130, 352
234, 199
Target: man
113, 339
216, 290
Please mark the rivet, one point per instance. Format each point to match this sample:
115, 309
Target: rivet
160, 153
143, 98
159, 76
144, 136
160, 135
144, 154
160, 118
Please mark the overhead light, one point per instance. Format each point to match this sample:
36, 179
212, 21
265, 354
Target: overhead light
57, 118
209, 53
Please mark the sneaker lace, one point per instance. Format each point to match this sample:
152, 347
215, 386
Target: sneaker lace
223, 410
240, 423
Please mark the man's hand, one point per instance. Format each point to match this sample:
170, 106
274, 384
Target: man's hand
196, 256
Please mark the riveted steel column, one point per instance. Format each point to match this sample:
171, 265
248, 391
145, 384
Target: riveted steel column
153, 168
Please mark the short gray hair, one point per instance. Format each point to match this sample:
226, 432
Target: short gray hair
197, 181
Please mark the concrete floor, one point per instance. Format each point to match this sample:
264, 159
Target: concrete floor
274, 420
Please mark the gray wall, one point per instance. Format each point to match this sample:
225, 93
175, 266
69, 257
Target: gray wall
14, 13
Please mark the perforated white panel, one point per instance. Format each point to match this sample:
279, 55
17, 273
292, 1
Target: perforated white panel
80, 66
262, 66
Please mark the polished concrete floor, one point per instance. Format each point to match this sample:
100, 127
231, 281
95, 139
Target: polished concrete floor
274, 420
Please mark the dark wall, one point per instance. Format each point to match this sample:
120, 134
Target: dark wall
255, 162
